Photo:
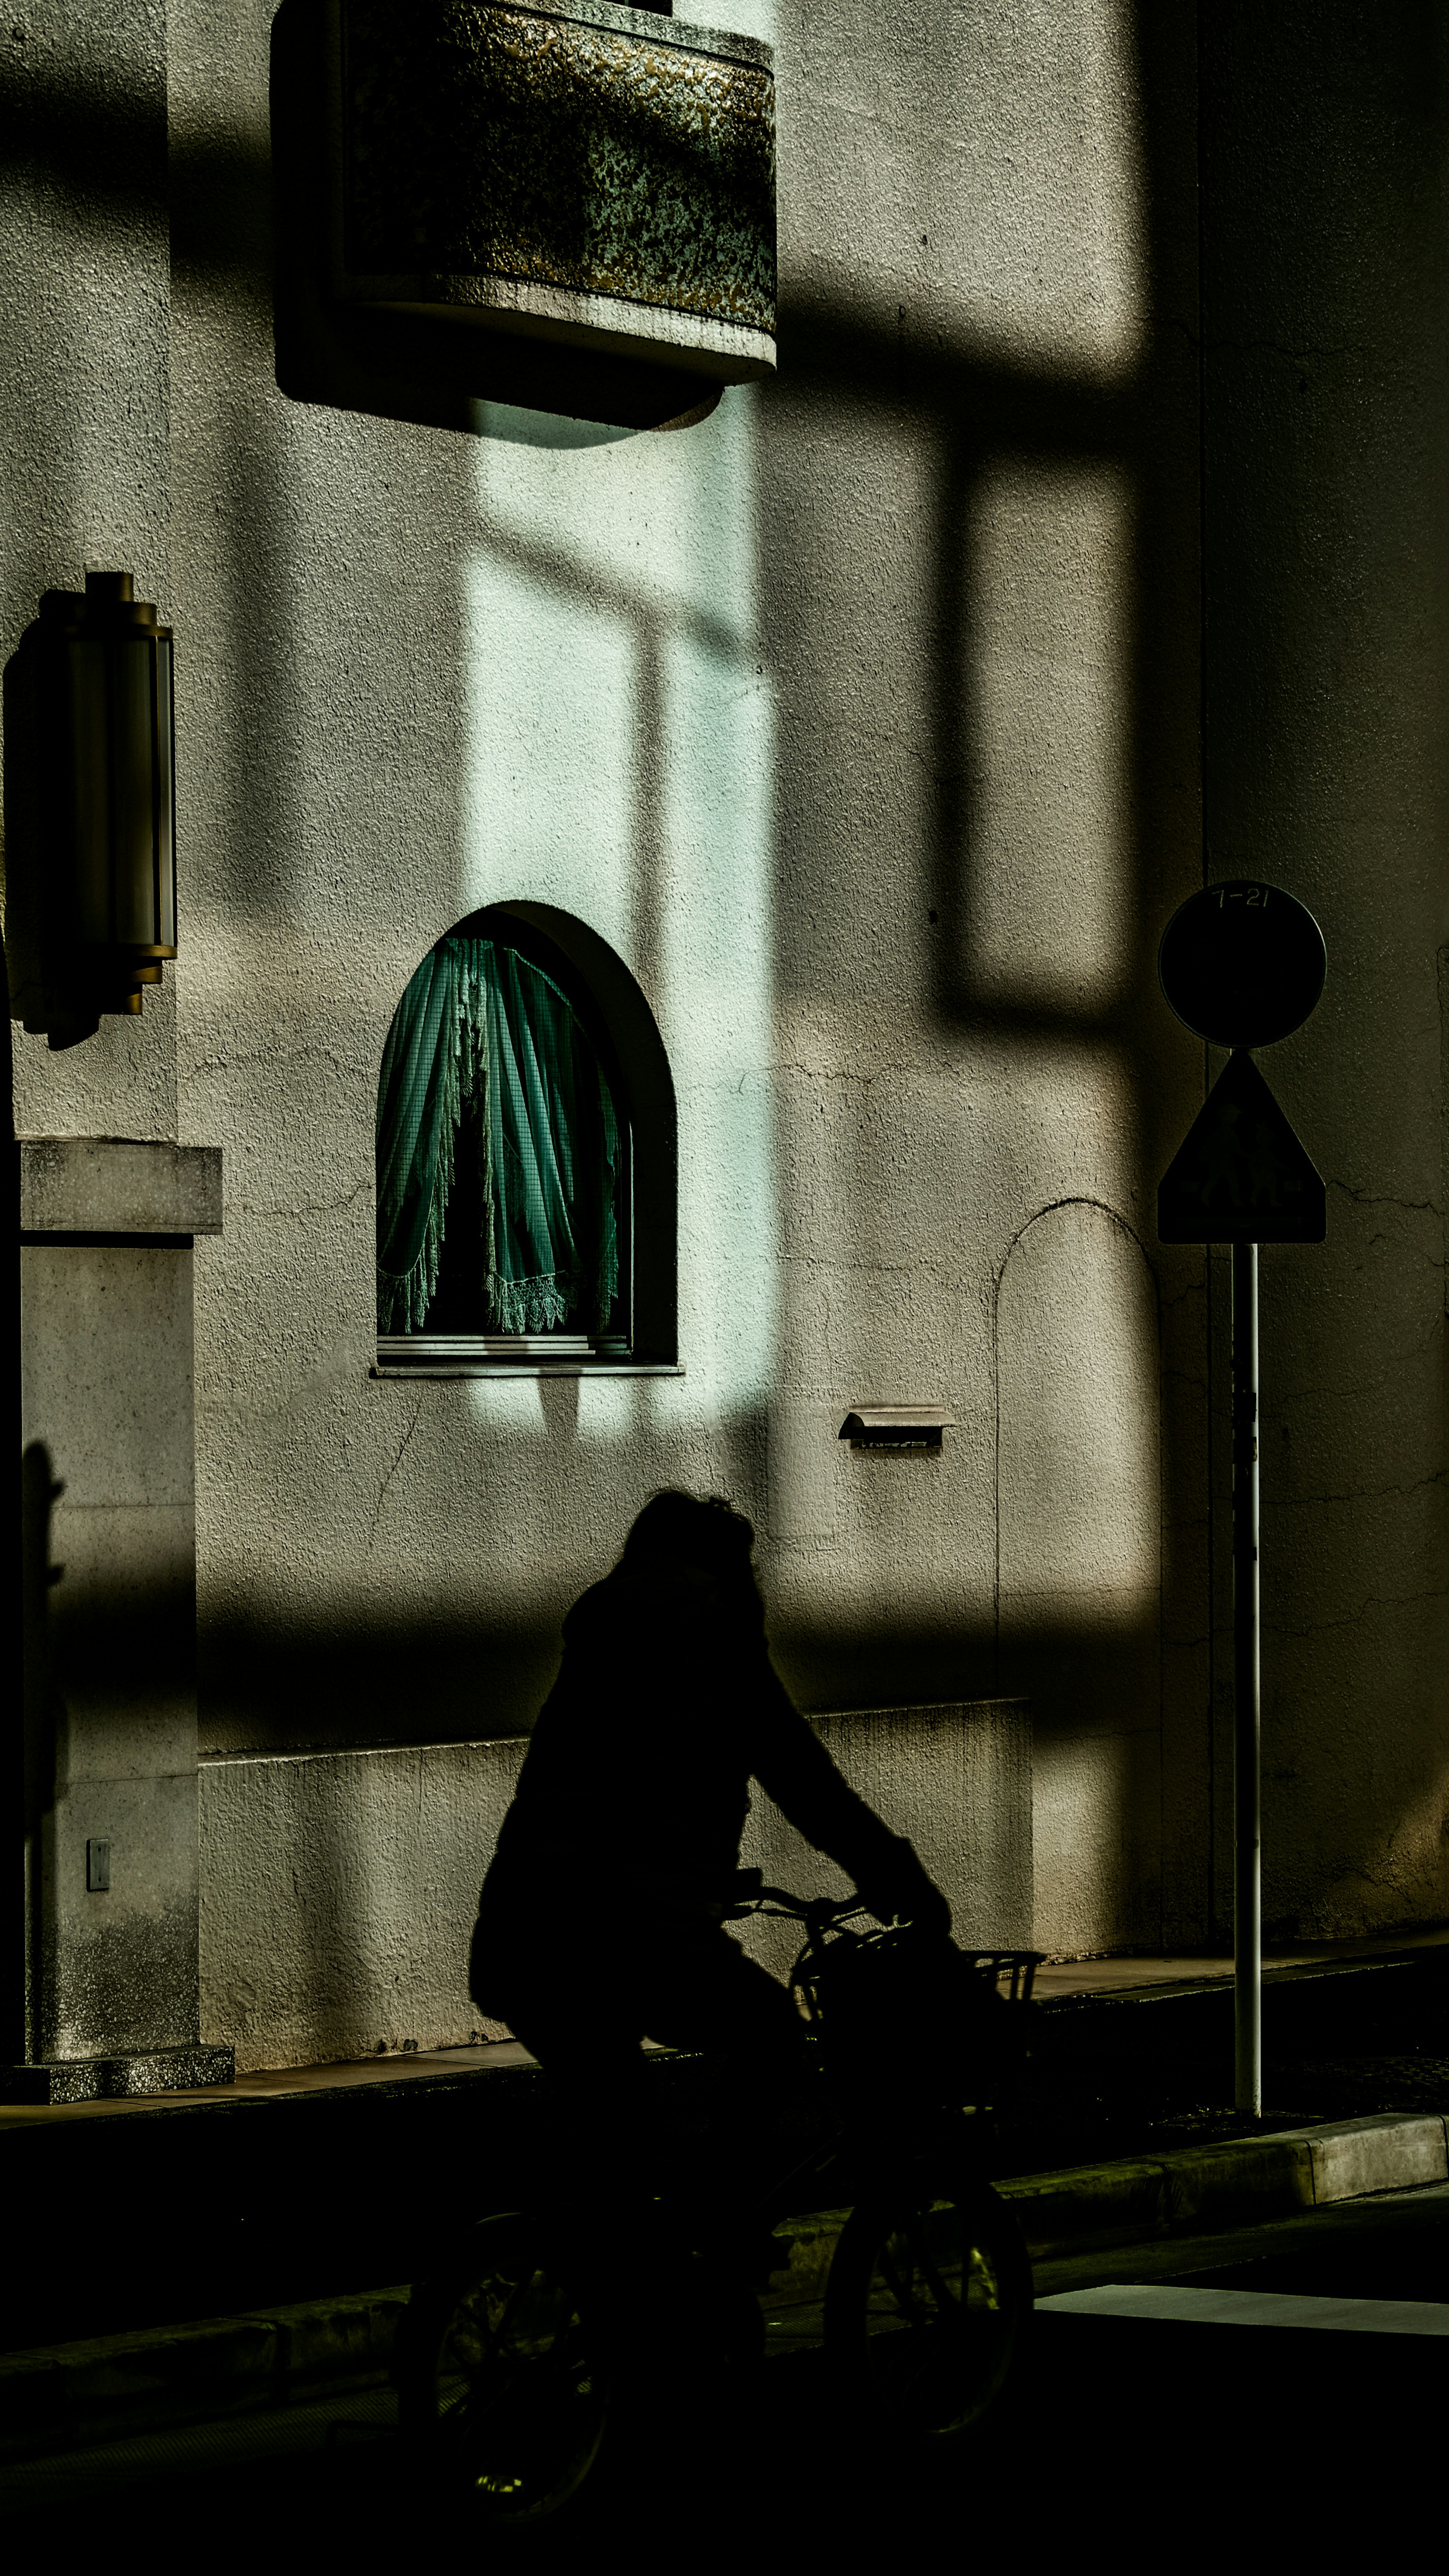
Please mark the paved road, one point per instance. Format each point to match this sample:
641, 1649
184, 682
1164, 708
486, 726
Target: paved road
1290, 2389
1250, 2395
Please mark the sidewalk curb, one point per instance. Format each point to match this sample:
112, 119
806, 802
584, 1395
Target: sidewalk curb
65, 2395
1222, 2186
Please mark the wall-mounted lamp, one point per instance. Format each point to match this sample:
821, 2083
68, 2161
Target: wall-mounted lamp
107, 798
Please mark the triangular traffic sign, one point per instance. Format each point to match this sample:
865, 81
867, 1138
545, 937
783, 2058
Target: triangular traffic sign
1241, 1175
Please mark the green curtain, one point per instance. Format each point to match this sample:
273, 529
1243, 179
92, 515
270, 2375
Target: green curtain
430, 1065
479, 1023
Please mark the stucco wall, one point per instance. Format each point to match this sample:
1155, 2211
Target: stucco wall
1327, 532
339, 1889
111, 1698
862, 720
722, 694
1080, 1549
85, 420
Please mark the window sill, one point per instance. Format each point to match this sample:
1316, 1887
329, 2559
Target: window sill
440, 1368
416, 1350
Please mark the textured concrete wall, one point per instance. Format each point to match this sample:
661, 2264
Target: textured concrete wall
862, 720
1327, 602
85, 419
106, 1423
957, 1780
339, 1889
724, 694
1079, 1502
859, 719
977, 485
338, 1896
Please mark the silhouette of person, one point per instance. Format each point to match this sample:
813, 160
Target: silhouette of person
601, 1917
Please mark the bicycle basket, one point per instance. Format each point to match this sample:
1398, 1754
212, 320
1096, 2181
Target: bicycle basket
944, 2008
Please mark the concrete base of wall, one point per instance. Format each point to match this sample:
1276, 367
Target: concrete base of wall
338, 1892
140, 2076
339, 1889
108, 1495
956, 1778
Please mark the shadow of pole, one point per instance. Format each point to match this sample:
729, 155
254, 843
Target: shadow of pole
40, 1711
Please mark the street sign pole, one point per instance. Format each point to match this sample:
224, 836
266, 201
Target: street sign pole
1242, 965
1247, 1807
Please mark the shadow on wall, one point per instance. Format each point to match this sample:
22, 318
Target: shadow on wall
1060, 753
38, 995
43, 1722
1058, 523
338, 1896
1079, 1564
1054, 551
339, 1891
1041, 463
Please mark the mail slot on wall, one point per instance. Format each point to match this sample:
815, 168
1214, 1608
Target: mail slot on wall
896, 1426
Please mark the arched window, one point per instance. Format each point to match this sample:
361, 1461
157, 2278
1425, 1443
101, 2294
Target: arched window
505, 1156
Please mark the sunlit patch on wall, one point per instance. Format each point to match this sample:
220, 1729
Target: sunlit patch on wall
1094, 1825
510, 1408
991, 196
716, 931
1046, 861
551, 709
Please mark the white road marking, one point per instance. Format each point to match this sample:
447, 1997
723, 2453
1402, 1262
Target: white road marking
1185, 2306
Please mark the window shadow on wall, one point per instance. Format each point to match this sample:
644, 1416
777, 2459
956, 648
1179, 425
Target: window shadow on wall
318, 1680
1021, 457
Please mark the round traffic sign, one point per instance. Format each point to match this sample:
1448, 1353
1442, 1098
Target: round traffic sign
1242, 964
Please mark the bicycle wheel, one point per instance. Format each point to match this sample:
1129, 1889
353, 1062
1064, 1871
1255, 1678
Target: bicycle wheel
927, 2306
500, 2371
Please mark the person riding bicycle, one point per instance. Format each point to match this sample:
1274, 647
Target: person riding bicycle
601, 1920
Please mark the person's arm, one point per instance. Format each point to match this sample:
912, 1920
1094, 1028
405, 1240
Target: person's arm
792, 1764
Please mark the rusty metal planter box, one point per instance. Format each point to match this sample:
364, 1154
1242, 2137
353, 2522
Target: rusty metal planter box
581, 173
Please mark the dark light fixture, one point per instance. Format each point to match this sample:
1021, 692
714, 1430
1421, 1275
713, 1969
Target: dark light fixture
107, 797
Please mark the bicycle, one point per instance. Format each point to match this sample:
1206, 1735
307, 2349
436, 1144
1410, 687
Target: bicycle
512, 2364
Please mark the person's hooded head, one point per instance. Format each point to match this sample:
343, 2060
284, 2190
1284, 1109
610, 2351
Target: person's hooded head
691, 1539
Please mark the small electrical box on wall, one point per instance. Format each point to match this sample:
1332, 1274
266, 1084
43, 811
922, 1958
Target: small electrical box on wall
896, 1426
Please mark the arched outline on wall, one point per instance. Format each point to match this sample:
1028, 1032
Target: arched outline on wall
1054, 1207
624, 1031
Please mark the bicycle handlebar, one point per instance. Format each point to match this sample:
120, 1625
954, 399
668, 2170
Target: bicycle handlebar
821, 1915
753, 1896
